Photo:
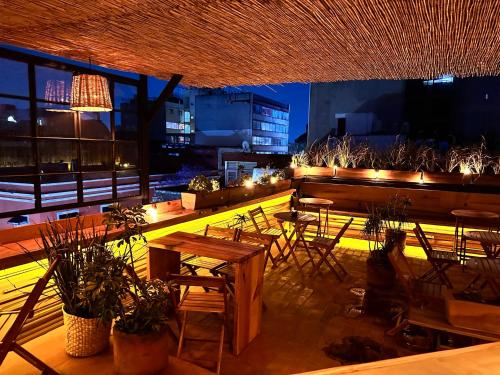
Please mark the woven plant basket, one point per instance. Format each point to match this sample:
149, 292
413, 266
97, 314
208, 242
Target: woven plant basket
85, 337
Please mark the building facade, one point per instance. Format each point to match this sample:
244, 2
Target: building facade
246, 120
358, 108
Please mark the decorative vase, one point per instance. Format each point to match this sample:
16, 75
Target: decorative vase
85, 337
140, 354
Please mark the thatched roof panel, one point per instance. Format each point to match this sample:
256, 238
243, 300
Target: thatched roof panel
218, 43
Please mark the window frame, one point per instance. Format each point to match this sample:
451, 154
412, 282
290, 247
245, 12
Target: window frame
36, 173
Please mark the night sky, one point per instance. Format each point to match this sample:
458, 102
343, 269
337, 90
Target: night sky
295, 94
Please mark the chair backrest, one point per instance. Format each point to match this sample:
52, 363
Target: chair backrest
403, 270
254, 214
257, 239
422, 239
343, 230
203, 281
222, 233
26, 311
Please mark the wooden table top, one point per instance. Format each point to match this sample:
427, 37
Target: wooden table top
316, 201
485, 237
229, 251
475, 214
484, 266
301, 217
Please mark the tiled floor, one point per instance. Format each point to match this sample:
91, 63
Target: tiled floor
302, 316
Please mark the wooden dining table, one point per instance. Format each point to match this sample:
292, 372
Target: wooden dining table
248, 260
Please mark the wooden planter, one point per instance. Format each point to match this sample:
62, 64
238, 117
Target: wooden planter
198, 201
443, 178
240, 194
135, 354
472, 315
233, 195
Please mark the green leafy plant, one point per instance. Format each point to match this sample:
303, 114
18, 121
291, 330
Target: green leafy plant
391, 217
147, 308
201, 184
148, 311
89, 277
240, 220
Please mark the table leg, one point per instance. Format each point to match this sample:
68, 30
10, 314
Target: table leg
162, 262
248, 285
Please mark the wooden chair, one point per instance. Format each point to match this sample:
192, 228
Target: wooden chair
195, 262
325, 247
419, 293
265, 228
9, 341
263, 240
440, 260
195, 301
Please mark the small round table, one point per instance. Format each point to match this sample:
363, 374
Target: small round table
321, 203
300, 222
464, 215
490, 241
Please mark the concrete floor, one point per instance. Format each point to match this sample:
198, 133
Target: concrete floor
302, 316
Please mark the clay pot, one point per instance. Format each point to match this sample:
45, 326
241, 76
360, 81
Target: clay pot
140, 354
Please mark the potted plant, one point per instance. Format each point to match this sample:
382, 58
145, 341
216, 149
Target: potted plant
390, 219
89, 281
140, 341
140, 334
203, 193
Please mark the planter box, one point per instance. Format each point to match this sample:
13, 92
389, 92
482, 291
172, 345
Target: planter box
233, 195
443, 178
198, 201
240, 194
472, 315
300, 172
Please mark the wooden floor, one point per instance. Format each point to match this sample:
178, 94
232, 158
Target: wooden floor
302, 316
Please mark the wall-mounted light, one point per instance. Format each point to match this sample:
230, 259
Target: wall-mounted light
274, 179
421, 177
376, 174
334, 170
248, 183
293, 165
11, 119
152, 212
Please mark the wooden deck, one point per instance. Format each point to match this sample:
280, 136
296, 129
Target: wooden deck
302, 316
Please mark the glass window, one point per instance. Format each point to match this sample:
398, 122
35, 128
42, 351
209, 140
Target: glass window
125, 98
126, 125
14, 117
127, 184
17, 194
96, 155
55, 120
53, 84
57, 155
126, 155
97, 186
13, 77
16, 156
95, 125
58, 189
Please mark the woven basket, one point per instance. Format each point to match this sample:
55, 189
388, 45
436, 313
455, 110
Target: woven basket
85, 337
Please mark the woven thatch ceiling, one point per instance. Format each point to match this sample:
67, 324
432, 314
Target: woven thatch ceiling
223, 42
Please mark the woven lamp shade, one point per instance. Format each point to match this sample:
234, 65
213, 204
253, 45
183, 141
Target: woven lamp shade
90, 93
57, 91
